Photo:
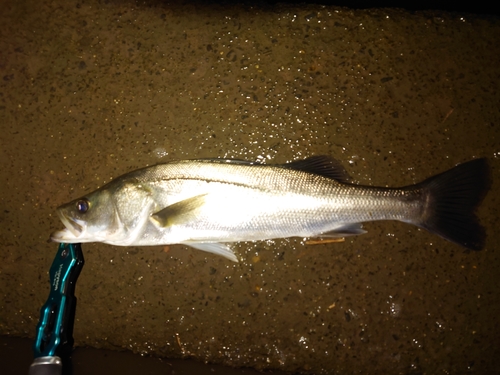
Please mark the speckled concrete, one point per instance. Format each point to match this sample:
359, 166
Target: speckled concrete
90, 90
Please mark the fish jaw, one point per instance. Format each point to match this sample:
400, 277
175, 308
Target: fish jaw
75, 226
64, 236
74, 231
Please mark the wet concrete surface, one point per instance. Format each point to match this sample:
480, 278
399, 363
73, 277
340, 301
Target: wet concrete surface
90, 90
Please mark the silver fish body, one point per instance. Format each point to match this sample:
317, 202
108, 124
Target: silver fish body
207, 203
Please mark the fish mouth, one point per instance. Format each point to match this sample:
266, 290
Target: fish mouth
75, 226
72, 233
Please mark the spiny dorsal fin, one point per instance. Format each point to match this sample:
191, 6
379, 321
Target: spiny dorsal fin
322, 165
228, 161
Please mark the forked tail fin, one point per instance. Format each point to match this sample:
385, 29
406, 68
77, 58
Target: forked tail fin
452, 198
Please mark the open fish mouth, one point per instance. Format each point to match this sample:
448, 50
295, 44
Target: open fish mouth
75, 226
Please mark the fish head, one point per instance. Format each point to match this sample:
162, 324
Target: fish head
112, 214
91, 218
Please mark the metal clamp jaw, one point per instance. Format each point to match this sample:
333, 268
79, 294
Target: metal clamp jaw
54, 332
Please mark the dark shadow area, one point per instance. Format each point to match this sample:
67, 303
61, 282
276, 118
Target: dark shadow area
16, 357
477, 8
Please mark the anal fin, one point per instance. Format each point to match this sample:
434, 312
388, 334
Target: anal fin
344, 231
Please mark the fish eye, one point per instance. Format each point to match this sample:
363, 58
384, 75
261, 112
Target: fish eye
82, 206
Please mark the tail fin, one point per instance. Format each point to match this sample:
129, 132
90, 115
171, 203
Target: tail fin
452, 198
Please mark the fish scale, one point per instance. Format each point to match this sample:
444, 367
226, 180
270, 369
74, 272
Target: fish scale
209, 203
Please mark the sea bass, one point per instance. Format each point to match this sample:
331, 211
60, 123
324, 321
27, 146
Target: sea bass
209, 203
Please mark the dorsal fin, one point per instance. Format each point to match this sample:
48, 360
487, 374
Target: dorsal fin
228, 161
322, 165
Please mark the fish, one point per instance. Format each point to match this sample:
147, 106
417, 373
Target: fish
210, 203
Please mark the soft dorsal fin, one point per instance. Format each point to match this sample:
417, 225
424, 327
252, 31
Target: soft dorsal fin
322, 165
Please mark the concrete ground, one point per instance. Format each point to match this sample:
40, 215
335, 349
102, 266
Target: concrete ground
91, 89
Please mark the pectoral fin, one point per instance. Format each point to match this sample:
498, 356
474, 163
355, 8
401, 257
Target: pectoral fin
179, 213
